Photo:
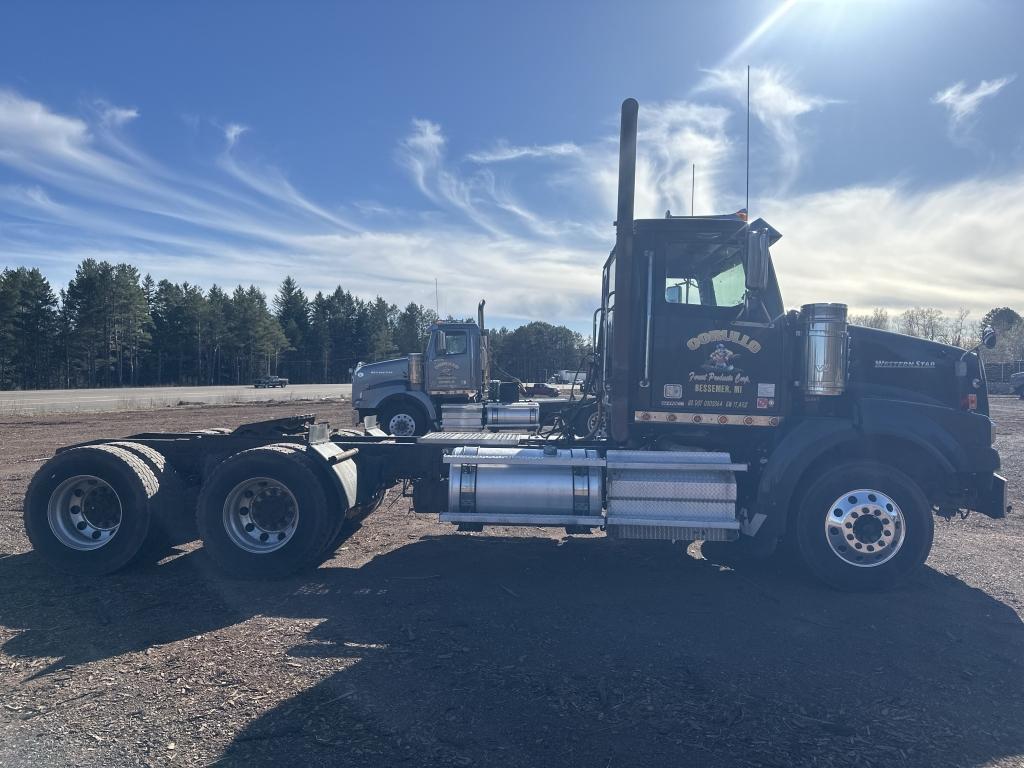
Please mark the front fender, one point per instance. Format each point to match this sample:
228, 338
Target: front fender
420, 398
876, 427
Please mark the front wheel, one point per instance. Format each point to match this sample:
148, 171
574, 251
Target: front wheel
403, 420
863, 526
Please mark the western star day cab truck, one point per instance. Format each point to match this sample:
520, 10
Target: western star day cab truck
717, 415
446, 387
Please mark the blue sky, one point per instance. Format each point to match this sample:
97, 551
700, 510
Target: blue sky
381, 145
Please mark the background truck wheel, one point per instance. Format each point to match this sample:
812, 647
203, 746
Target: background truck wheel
589, 423
170, 523
87, 510
264, 513
403, 419
863, 526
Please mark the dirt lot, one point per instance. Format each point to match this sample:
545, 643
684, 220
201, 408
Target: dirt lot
420, 646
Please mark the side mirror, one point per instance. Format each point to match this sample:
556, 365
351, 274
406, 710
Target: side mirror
989, 338
442, 343
757, 260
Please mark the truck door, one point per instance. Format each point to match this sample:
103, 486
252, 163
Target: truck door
707, 362
452, 362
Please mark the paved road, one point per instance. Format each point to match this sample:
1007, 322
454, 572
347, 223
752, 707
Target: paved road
143, 398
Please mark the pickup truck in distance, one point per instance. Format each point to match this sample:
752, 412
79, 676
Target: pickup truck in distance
267, 382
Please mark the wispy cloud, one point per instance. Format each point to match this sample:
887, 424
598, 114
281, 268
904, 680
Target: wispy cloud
776, 102
232, 132
963, 102
111, 115
502, 152
83, 188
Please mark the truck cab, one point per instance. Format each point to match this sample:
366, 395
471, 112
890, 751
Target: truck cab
701, 349
406, 394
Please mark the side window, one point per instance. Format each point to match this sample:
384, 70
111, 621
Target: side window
682, 290
730, 286
455, 343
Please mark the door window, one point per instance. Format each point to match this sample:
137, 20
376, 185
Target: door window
455, 343
682, 290
698, 274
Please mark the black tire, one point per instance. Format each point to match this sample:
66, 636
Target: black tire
363, 511
588, 422
404, 407
295, 471
170, 522
351, 522
127, 476
879, 569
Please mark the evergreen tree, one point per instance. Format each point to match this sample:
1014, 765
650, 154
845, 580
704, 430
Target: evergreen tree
35, 326
411, 328
115, 327
291, 307
318, 341
8, 334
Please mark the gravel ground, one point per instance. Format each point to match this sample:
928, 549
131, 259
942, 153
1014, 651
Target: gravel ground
416, 645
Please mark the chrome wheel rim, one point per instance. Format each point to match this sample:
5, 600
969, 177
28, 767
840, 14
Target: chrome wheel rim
402, 425
596, 425
84, 512
260, 515
865, 528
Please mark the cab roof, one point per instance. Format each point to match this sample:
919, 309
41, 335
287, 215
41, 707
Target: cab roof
708, 228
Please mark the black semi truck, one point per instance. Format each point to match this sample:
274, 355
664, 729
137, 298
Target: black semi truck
713, 414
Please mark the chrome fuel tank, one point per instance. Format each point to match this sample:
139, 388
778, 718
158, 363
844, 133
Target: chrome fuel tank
524, 415
527, 482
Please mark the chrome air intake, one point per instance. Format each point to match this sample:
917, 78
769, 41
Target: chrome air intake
825, 348
416, 370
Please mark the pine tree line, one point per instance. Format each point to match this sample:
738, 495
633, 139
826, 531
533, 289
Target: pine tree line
112, 326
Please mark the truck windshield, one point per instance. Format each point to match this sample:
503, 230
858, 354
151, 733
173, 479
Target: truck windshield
705, 274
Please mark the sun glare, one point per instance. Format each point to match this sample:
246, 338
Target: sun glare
770, 21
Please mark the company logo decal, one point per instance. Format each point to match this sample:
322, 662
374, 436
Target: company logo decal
736, 337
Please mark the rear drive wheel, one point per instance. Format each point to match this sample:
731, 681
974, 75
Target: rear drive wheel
264, 513
87, 510
403, 419
170, 523
863, 526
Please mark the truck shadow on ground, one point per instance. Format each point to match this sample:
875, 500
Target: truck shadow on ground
529, 651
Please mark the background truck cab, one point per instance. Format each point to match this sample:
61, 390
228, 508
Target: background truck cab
406, 394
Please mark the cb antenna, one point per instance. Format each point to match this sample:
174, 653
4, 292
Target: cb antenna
748, 143
693, 185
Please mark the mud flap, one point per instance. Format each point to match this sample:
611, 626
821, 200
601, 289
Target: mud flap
992, 503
